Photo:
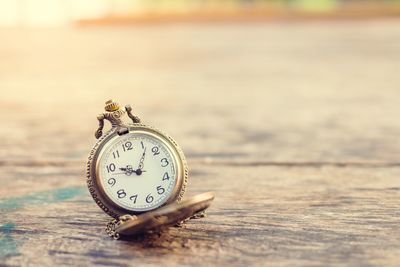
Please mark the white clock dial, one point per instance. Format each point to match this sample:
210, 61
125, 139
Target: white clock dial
138, 172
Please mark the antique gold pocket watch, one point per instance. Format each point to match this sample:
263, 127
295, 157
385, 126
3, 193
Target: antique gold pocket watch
138, 175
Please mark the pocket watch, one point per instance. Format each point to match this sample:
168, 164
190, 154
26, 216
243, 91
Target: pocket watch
138, 175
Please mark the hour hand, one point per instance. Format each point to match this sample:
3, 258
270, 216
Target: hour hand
128, 171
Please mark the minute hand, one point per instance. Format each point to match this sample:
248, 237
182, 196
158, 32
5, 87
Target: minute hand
141, 162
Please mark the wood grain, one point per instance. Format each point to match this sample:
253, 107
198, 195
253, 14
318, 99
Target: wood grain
293, 126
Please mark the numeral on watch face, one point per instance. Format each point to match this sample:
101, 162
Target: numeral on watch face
155, 151
116, 154
165, 176
111, 181
164, 162
160, 190
133, 198
149, 198
127, 146
121, 193
110, 168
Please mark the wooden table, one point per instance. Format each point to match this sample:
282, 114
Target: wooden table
294, 126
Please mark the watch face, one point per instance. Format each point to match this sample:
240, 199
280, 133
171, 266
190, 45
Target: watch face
137, 171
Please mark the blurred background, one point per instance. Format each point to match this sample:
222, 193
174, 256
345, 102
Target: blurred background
267, 80
66, 12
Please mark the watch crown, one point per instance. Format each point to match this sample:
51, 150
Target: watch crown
111, 106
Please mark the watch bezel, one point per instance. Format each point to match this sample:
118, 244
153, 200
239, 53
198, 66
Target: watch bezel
93, 177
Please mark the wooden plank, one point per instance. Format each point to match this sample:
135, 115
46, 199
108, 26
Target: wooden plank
278, 215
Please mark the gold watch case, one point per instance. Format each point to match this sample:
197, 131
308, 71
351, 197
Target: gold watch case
93, 180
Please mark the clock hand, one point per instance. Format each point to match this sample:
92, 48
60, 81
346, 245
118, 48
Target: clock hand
139, 171
129, 171
126, 170
141, 164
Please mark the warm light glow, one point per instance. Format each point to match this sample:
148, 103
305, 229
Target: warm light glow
49, 13
53, 13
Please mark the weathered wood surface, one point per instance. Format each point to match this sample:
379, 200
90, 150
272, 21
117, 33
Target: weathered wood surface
294, 126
